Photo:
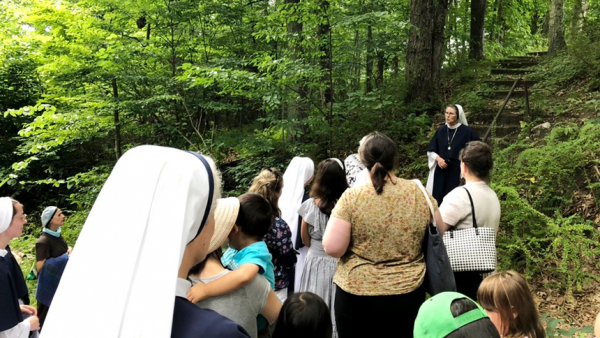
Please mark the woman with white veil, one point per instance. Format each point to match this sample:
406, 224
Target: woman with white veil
443, 151
150, 224
297, 176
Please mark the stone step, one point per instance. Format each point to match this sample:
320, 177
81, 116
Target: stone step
541, 53
507, 117
517, 64
501, 94
509, 83
510, 71
523, 58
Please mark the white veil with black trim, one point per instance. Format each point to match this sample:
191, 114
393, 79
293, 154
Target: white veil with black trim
121, 276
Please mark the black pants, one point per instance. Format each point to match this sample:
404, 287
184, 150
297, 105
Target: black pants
376, 316
467, 283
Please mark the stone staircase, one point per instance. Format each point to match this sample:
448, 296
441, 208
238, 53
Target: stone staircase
497, 88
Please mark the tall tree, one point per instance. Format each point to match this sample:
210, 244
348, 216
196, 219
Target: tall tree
425, 51
578, 16
556, 34
476, 42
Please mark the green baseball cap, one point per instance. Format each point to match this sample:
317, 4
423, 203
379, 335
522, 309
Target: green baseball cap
435, 319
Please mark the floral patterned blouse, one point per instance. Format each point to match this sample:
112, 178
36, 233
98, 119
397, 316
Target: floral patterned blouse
384, 256
279, 242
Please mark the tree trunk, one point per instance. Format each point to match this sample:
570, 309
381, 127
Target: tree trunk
579, 14
356, 61
424, 54
294, 30
370, 57
476, 47
419, 53
556, 34
439, 37
380, 68
118, 147
323, 32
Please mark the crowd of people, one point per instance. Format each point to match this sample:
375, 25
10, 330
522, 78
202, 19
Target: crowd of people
332, 253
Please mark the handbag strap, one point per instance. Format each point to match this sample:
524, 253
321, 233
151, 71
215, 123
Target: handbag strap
420, 185
472, 208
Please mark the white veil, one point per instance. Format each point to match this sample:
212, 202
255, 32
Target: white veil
462, 118
298, 172
121, 276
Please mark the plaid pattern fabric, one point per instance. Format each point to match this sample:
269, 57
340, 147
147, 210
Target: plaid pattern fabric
472, 249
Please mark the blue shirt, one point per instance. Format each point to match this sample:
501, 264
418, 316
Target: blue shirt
255, 253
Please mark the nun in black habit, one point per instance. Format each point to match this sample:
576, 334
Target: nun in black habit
16, 320
443, 152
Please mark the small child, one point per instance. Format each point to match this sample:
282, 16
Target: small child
453, 315
506, 298
247, 255
304, 314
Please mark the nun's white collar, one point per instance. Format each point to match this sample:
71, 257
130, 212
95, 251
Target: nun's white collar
454, 126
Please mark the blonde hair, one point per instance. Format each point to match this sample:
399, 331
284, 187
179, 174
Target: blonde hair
508, 294
268, 184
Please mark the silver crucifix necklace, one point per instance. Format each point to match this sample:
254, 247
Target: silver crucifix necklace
450, 139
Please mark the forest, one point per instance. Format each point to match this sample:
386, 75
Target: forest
254, 83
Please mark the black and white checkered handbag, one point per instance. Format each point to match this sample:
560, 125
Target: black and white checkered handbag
472, 249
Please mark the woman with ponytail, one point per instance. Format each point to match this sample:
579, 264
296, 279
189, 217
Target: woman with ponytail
376, 230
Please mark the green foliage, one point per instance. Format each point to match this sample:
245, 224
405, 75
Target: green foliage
552, 328
540, 234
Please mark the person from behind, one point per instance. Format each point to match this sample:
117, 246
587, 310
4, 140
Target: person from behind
160, 201
304, 314
297, 176
247, 255
279, 240
52, 254
319, 268
355, 168
453, 315
16, 320
476, 163
246, 303
508, 301
377, 231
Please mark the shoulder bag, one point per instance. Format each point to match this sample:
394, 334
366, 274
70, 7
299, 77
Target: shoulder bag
472, 249
438, 274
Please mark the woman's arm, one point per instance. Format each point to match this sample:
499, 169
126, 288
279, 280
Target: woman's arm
442, 227
305, 235
337, 237
272, 308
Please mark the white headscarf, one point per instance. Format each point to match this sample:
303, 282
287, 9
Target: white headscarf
6, 213
122, 274
462, 118
298, 172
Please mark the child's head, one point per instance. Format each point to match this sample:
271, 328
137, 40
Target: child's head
269, 184
509, 303
330, 183
254, 217
303, 314
226, 213
453, 315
